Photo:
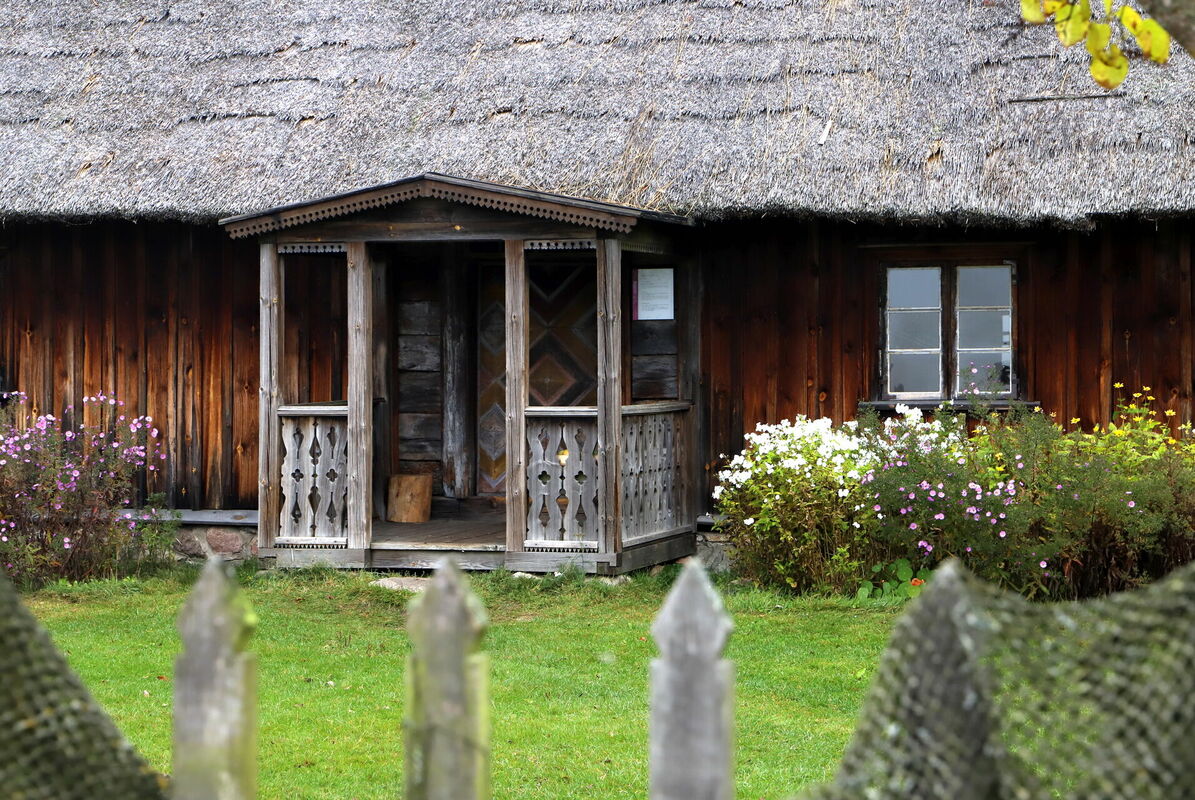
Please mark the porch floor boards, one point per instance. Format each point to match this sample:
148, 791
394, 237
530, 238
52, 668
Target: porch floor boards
442, 534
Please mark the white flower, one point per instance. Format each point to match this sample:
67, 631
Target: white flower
749, 521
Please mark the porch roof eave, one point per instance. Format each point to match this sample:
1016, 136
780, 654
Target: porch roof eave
573, 211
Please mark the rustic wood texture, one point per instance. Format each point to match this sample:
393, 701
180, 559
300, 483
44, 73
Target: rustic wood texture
517, 353
457, 285
692, 694
563, 505
360, 408
409, 498
609, 400
656, 486
215, 694
446, 726
269, 447
314, 477
791, 318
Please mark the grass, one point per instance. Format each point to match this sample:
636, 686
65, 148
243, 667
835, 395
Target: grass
569, 680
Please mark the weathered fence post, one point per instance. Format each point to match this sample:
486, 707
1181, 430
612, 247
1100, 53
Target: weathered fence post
215, 694
447, 725
692, 694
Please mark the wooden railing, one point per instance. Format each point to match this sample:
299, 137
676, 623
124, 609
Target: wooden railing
562, 478
562, 465
314, 475
656, 484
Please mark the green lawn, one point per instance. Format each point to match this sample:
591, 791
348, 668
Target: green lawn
569, 684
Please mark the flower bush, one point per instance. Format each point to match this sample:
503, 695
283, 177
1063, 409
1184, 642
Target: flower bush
790, 499
67, 492
1021, 500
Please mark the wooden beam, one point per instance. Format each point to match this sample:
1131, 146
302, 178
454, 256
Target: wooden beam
609, 391
517, 306
688, 312
269, 436
459, 375
360, 411
382, 408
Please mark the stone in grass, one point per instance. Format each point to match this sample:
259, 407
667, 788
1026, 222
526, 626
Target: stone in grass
524, 576
402, 583
616, 580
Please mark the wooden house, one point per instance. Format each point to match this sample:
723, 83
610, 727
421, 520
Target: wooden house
560, 257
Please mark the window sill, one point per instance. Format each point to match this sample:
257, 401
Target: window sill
996, 404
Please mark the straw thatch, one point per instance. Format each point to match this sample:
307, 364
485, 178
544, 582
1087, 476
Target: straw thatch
891, 109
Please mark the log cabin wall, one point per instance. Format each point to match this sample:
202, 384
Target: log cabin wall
164, 316
791, 318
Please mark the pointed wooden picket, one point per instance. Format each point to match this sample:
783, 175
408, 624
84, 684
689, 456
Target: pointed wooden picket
215, 694
692, 694
447, 723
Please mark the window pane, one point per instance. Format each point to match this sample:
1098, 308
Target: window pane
987, 371
918, 287
984, 286
914, 373
914, 330
984, 328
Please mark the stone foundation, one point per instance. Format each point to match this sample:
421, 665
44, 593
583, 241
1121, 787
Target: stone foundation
714, 550
200, 542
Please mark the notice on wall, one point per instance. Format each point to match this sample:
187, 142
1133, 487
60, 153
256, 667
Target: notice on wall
654, 295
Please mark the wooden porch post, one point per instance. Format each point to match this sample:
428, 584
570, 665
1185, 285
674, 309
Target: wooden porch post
517, 303
269, 436
609, 393
360, 411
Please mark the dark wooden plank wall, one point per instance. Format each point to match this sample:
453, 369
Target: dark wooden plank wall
164, 317
416, 327
791, 318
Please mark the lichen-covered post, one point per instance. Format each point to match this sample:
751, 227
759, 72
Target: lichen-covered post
447, 723
215, 694
692, 694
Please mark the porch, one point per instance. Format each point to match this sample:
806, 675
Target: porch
553, 410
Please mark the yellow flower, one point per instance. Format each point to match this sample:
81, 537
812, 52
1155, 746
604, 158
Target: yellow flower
1136, 394
1118, 385
1074, 420
1119, 432
1151, 398
1172, 441
1145, 388
1169, 412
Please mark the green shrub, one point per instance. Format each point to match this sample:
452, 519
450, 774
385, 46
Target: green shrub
67, 494
1022, 501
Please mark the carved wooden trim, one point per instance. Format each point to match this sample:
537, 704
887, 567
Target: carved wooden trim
571, 210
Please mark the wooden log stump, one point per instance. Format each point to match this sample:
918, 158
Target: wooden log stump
409, 498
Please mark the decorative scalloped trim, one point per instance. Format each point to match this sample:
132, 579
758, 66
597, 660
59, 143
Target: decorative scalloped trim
310, 247
560, 244
426, 188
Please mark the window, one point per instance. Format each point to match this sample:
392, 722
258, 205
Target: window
948, 331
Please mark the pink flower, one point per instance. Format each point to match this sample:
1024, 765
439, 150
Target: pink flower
1003, 534
1042, 564
912, 526
1132, 504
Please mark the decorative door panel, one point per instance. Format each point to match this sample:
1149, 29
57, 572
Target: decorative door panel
563, 344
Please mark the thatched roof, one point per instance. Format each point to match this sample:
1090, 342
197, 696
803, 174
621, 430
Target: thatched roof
888, 109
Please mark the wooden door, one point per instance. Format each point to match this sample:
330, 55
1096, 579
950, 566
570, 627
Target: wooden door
563, 344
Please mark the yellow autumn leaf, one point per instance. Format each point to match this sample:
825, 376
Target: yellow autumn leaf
1098, 36
1108, 9
1032, 13
1073, 21
1154, 41
1130, 19
1109, 68
1052, 6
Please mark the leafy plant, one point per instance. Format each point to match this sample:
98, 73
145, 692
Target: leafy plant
1036, 507
1105, 31
67, 493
